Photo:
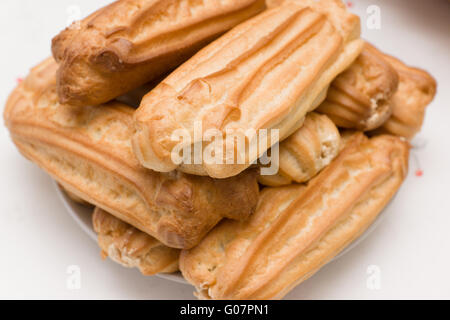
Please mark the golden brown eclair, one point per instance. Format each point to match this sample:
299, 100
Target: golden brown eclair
360, 97
131, 42
416, 90
75, 198
299, 228
310, 149
132, 248
88, 151
133, 98
266, 73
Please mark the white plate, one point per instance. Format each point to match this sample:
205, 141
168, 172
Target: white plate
82, 215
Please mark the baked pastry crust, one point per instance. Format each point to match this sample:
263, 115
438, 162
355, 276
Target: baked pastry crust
416, 90
304, 154
75, 198
299, 228
360, 97
88, 151
131, 42
131, 247
267, 73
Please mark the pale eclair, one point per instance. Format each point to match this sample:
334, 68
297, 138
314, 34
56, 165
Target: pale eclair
266, 73
88, 151
310, 149
131, 42
131, 247
360, 97
299, 228
416, 90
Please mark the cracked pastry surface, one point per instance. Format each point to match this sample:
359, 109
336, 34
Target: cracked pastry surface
416, 90
88, 151
299, 228
266, 73
74, 197
131, 42
360, 97
132, 248
306, 152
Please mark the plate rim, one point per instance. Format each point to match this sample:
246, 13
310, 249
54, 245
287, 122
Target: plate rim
74, 209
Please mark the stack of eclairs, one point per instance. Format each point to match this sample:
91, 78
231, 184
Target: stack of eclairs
99, 117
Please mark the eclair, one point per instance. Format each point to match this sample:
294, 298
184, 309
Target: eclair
131, 247
370, 96
88, 151
306, 152
266, 73
75, 198
131, 42
360, 97
416, 90
299, 228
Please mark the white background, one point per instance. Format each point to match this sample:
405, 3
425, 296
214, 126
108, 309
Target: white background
38, 239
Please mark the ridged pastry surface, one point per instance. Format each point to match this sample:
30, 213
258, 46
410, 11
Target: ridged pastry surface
360, 97
88, 151
299, 228
267, 73
131, 247
305, 153
131, 42
416, 90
